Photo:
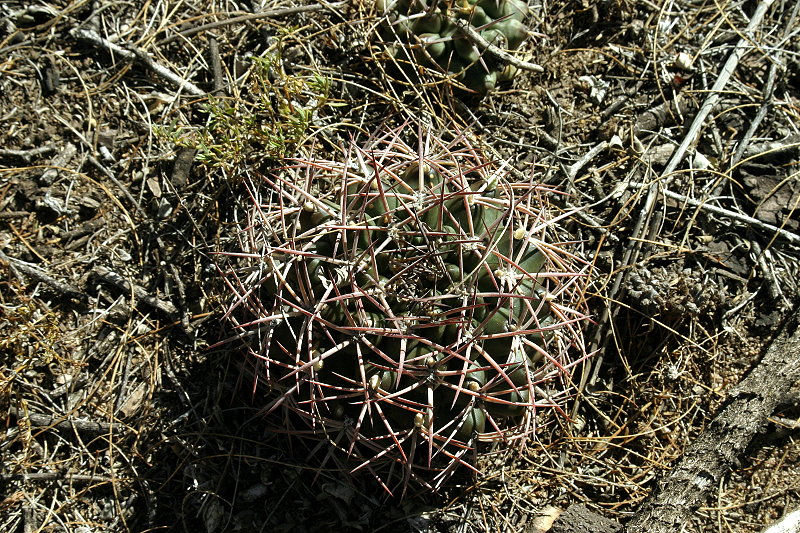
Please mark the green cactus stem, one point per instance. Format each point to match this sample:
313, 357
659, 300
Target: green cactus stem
433, 32
406, 305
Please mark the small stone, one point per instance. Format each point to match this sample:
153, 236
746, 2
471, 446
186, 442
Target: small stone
684, 61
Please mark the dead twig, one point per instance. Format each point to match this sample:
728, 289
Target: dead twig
466, 28
184, 309
574, 169
269, 13
773, 288
134, 54
57, 474
789, 146
61, 423
61, 160
35, 272
26, 155
123, 385
753, 222
14, 214
216, 65
140, 293
722, 80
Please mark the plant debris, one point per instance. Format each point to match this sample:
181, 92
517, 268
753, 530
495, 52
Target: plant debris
669, 134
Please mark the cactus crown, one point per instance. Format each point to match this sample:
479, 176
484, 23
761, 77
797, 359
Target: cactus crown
405, 304
431, 31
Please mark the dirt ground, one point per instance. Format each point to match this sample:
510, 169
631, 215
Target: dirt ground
128, 130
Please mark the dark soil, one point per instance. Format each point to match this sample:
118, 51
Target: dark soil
119, 185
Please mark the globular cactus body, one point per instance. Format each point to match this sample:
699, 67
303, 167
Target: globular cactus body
431, 30
406, 304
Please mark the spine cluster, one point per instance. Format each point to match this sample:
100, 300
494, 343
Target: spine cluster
406, 304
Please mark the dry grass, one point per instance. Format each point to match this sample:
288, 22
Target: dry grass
116, 187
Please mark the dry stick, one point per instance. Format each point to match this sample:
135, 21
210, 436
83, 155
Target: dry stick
134, 54
573, 170
141, 294
176, 276
61, 160
789, 146
754, 222
762, 112
773, 287
26, 155
699, 119
216, 65
499, 53
616, 105
29, 520
35, 272
65, 424
725, 439
786, 422
719, 85
13, 214
58, 474
123, 385
269, 13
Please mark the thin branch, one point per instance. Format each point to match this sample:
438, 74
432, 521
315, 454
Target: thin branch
727, 70
26, 155
269, 13
65, 423
574, 169
140, 293
779, 232
58, 474
499, 53
35, 272
134, 54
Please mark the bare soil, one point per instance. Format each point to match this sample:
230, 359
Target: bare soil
128, 130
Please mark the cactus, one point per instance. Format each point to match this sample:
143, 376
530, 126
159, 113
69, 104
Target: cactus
432, 32
406, 305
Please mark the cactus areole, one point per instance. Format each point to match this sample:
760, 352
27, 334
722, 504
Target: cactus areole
405, 305
430, 31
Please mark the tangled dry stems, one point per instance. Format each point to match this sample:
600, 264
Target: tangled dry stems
122, 363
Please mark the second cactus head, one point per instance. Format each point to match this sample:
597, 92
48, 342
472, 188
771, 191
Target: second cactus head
432, 32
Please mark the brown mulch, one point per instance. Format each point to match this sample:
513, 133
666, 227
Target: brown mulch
129, 128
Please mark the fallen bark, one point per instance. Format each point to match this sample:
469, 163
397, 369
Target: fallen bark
725, 439
681, 491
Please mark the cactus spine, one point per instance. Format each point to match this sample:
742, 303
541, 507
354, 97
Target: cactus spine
406, 304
